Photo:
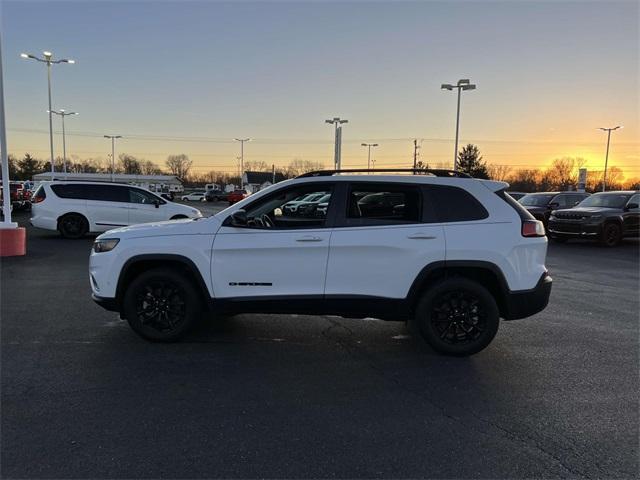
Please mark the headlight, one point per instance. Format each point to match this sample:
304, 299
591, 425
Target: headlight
105, 245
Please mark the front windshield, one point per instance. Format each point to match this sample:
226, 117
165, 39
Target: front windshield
608, 200
535, 200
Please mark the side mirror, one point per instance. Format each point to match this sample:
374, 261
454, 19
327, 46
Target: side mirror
239, 218
553, 205
631, 206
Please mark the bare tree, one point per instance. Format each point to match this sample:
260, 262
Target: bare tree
150, 168
129, 164
299, 166
179, 165
498, 172
257, 166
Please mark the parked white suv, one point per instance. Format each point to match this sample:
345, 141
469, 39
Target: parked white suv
76, 208
450, 254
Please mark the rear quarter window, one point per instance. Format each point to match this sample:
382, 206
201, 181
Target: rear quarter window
71, 191
454, 204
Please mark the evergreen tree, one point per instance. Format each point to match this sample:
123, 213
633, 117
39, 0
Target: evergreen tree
470, 161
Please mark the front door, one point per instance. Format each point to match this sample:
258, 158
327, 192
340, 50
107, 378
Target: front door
277, 253
144, 207
631, 216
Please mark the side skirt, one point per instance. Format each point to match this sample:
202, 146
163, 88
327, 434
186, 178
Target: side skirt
348, 306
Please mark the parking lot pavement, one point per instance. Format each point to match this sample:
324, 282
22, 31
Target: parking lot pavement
555, 395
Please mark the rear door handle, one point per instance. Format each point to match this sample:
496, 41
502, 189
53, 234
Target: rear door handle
421, 236
308, 238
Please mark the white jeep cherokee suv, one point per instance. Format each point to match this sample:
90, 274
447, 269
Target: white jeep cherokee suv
76, 208
449, 253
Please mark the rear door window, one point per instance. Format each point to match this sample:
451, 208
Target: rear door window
383, 204
106, 193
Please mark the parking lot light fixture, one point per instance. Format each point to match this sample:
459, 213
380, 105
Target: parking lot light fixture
369, 145
48, 60
463, 84
606, 158
62, 113
337, 121
242, 140
113, 151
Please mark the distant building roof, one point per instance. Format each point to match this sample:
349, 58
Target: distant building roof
258, 178
106, 177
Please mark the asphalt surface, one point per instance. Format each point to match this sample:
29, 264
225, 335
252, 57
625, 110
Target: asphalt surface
555, 395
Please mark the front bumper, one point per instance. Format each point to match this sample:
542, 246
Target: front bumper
573, 229
524, 303
110, 304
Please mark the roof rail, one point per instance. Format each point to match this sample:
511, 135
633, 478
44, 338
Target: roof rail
416, 171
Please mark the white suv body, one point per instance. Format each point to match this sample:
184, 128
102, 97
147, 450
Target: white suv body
76, 208
381, 258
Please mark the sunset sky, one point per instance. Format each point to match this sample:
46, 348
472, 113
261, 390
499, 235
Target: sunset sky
188, 77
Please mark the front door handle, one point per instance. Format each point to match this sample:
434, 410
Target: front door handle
421, 236
308, 238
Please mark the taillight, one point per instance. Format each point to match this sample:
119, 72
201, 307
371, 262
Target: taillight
532, 228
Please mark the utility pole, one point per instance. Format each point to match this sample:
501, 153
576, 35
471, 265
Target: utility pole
338, 140
113, 152
415, 153
242, 140
606, 158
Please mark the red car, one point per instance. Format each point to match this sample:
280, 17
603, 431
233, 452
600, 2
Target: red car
236, 196
20, 196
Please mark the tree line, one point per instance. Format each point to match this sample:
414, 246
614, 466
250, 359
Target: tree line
561, 174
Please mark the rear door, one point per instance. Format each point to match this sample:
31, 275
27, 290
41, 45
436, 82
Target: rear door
106, 206
631, 216
382, 240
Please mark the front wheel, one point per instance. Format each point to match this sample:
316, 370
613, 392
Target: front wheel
457, 317
161, 305
611, 235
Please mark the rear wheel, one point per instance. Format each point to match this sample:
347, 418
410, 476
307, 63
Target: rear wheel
161, 305
73, 225
457, 317
611, 235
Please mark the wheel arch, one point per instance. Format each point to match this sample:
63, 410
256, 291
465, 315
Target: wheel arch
485, 273
141, 263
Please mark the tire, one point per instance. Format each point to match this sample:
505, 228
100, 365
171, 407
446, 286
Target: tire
460, 334
611, 234
178, 217
161, 305
73, 226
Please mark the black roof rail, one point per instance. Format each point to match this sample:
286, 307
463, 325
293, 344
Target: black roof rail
437, 172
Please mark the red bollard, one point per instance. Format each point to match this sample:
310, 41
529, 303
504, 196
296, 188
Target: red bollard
13, 242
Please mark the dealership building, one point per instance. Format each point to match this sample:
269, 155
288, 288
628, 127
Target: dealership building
155, 183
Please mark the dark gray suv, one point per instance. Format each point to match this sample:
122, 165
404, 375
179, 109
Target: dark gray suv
607, 217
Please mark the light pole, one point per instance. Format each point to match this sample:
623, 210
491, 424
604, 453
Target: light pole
242, 140
113, 151
63, 114
369, 145
48, 59
338, 142
462, 84
606, 158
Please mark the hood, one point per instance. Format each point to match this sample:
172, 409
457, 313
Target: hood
185, 226
536, 209
587, 211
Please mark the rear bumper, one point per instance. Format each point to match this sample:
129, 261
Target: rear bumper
524, 303
110, 304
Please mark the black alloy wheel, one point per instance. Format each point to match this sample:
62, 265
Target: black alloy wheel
456, 316
73, 226
611, 234
161, 305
